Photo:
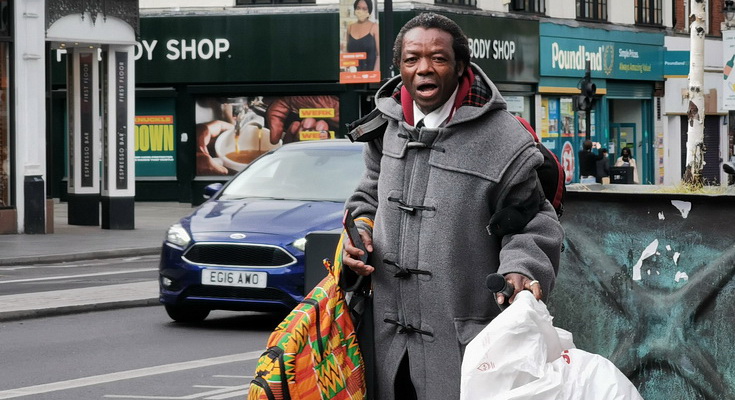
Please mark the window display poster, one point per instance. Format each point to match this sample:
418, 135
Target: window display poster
553, 117
567, 117
359, 55
582, 123
155, 137
231, 132
545, 118
592, 123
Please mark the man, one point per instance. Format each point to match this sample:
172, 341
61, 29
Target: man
602, 166
450, 156
588, 162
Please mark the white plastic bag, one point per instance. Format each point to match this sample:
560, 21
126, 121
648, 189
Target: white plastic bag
520, 355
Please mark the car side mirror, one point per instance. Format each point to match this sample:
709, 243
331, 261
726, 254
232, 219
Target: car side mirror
211, 190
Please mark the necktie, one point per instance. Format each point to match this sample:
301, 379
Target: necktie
420, 124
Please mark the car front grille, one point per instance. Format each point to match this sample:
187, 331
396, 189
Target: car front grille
223, 292
240, 255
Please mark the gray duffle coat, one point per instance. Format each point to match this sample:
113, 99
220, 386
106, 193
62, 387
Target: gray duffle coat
431, 193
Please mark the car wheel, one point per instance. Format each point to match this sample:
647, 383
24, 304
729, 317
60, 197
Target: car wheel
186, 314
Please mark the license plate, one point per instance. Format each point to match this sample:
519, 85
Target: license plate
222, 277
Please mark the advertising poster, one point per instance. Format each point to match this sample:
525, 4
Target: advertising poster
232, 132
567, 117
154, 145
592, 123
545, 118
728, 83
359, 55
155, 138
582, 124
568, 161
553, 117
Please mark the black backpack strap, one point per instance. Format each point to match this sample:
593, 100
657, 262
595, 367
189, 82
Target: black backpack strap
367, 128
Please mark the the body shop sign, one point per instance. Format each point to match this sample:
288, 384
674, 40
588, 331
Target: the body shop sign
238, 48
608, 60
507, 50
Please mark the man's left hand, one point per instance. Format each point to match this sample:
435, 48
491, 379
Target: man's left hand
520, 282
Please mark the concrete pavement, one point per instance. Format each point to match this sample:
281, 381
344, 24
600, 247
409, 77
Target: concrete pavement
73, 243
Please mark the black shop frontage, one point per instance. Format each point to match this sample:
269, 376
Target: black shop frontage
195, 71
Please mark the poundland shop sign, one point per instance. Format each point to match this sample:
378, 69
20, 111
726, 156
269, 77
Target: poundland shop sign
608, 60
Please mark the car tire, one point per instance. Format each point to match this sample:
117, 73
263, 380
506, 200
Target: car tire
186, 313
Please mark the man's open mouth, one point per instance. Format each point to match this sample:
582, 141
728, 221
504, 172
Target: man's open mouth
426, 88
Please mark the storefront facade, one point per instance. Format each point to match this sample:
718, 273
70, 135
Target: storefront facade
195, 71
627, 68
192, 70
717, 146
100, 39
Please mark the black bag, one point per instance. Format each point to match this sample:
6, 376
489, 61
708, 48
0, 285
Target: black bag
550, 173
550, 185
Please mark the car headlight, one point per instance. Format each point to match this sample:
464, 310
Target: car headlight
177, 235
300, 244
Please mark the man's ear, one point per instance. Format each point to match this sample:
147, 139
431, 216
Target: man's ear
460, 68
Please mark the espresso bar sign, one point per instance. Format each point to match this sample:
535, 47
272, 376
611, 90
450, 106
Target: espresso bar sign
121, 119
86, 123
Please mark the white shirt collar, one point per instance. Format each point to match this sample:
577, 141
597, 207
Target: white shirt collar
436, 117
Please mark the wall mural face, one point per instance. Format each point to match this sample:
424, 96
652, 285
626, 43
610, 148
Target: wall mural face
232, 132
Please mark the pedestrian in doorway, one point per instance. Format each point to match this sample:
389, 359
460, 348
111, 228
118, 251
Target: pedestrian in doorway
626, 160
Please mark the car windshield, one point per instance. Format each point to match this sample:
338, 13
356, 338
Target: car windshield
327, 174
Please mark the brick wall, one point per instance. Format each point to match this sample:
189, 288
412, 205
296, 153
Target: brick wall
714, 8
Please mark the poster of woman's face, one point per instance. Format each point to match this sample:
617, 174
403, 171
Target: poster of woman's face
231, 132
359, 58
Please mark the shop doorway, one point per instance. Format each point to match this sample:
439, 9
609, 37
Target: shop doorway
630, 126
622, 136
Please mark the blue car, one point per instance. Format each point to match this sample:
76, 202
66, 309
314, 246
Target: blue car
243, 249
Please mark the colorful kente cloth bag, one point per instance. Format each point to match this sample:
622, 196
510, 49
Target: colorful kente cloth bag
313, 353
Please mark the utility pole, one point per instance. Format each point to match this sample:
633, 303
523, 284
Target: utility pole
695, 111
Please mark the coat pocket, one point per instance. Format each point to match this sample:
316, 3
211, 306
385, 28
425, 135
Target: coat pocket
467, 328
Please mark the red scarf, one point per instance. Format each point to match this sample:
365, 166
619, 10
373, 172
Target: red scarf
465, 83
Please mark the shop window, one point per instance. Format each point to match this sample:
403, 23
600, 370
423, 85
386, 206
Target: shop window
687, 12
264, 2
595, 10
648, 12
466, 3
529, 6
4, 18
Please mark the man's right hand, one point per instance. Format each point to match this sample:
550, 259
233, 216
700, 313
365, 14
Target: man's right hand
351, 255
